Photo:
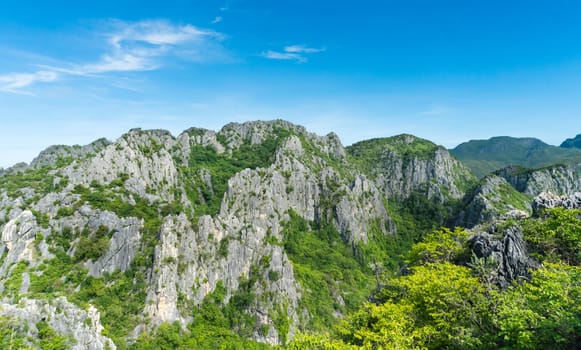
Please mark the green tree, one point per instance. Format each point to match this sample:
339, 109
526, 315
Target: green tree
544, 313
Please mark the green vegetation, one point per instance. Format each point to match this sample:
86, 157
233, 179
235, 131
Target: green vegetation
485, 156
220, 167
13, 334
556, 235
93, 246
441, 305
367, 154
418, 288
330, 275
172, 336
48, 339
13, 284
41, 180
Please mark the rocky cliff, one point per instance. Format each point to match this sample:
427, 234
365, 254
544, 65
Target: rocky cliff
404, 164
493, 198
167, 223
261, 229
557, 179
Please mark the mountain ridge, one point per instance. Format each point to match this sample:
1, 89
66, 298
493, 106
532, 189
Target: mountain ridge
259, 231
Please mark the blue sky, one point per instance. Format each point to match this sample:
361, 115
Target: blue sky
449, 71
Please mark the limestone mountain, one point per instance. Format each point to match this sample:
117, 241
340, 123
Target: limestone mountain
249, 236
486, 156
154, 229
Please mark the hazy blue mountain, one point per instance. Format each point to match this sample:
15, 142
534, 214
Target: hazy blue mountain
574, 142
485, 156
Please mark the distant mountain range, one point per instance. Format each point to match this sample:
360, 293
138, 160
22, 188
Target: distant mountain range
485, 156
572, 143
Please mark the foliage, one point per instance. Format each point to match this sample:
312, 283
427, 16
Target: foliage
556, 235
13, 284
542, 314
196, 336
41, 180
13, 334
93, 246
119, 297
49, 339
405, 146
438, 306
318, 341
440, 245
327, 270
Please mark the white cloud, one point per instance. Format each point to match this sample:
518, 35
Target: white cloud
273, 55
158, 32
217, 19
133, 47
302, 49
292, 52
14, 82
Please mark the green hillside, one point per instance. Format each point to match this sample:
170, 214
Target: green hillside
485, 156
575, 142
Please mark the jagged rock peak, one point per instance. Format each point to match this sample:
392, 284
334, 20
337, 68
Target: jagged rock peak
506, 252
559, 179
493, 198
547, 200
52, 154
405, 163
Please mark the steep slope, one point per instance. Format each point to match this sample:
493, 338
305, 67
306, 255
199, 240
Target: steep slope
485, 156
228, 229
574, 142
404, 164
493, 198
557, 179
256, 232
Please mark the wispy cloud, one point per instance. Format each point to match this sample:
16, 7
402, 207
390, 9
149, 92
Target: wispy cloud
217, 19
15, 82
132, 47
273, 55
293, 52
303, 49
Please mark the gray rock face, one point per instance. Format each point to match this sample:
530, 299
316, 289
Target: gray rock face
494, 198
436, 174
84, 327
50, 155
547, 200
309, 175
507, 254
559, 179
17, 243
143, 156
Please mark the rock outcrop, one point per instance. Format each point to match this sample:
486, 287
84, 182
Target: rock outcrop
200, 211
558, 179
493, 198
404, 164
547, 200
82, 327
504, 255
53, 153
